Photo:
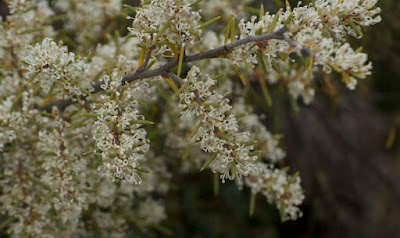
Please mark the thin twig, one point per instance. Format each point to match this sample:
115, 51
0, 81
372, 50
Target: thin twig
174, 77
197, 99
164, 69
147, 59
293, 43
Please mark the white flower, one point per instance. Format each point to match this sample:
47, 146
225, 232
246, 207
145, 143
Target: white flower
218, 131
51, 64
279, 188
351, 63
321, 29
121, 140
157, 14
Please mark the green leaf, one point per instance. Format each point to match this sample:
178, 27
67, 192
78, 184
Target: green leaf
129, 9
252, 203
274, 21
241, 75
282, 211
195, 3
165, 27
218, 76
84, 90
262, 62
92, 151
262, 12
33, 76
144, 170
391, 137
215, 105
265, 91
195, 130
206, 24
181, 55
141, 45
248, 143
292, 179
49, 153
7, 222
227, 30
233, 27
24, 62
309, 70
144, 122
233, 169
151, 31
179, 91
150, 64
224, 137
288, 7
358, 50
139, 144
239, 115
209, 160
31, 31
289, 19
356, 28
275, 66
256, 153
171, 84
293, 104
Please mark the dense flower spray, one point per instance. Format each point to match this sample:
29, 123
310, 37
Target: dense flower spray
101, 104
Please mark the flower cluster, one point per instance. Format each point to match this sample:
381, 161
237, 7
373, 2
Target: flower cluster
8, 123
51, 65
122, 142
280, 189
321, 31
275, 184
51, 177
217, 131
234, 152
168, 21
63, 174
27, 23
338, 16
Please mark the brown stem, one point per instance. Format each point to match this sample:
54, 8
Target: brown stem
164, 69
